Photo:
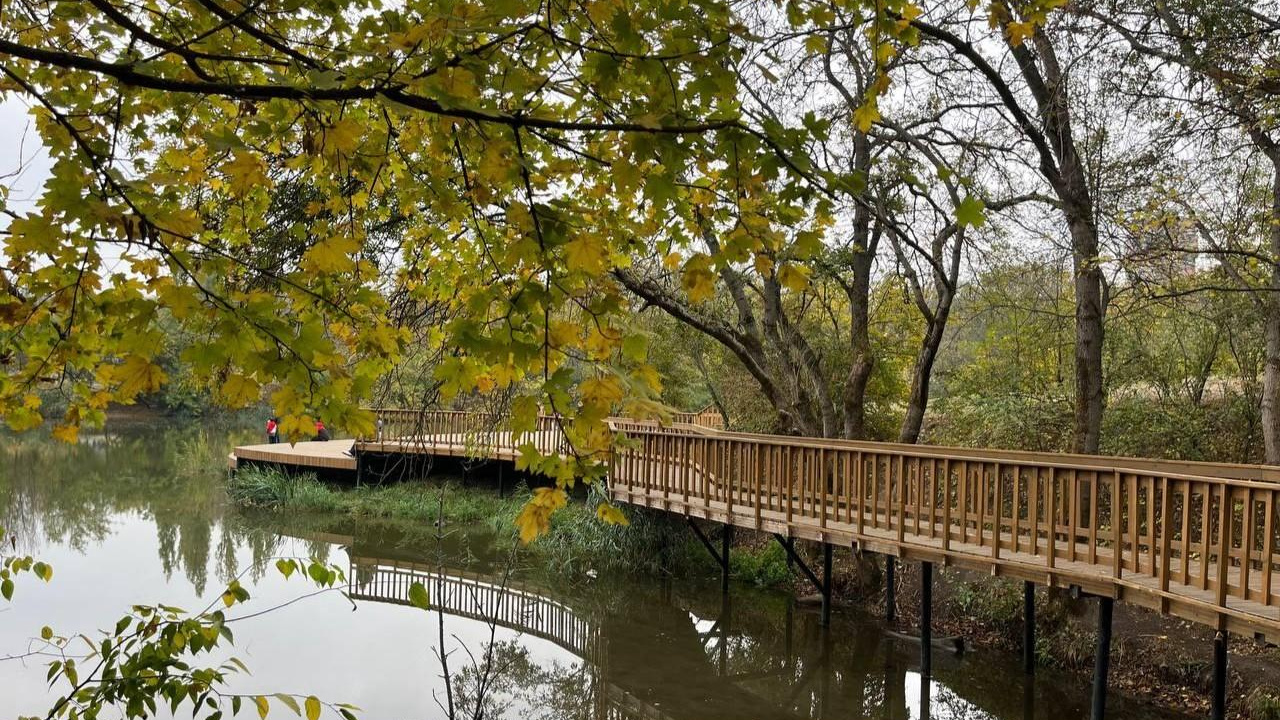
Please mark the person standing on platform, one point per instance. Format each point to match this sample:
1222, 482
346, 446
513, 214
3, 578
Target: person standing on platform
273, 430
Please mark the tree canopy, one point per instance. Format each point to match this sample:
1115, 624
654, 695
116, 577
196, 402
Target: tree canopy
322, 194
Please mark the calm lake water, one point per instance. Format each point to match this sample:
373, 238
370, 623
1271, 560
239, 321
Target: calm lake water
136, 516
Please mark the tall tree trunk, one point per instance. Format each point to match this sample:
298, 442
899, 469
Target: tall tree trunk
862, 359
1089, 330
866, 238
1271, 373
1049, 85
921, 374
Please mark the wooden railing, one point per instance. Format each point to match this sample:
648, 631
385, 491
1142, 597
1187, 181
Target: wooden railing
478, 598
1199, 545
1197, 540
481, 434
469, 433
707, 417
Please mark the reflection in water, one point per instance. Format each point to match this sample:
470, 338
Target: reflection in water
142, 517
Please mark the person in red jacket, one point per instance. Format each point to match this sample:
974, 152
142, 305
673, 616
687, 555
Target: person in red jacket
273, 430
322, 432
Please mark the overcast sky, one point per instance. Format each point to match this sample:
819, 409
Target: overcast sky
24, 165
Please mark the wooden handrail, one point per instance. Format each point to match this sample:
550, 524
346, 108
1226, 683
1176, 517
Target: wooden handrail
1204, 545
1193, 539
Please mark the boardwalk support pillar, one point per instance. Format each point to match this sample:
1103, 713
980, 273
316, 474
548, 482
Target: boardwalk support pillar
890, 599
824, 584
721, 556
726, 539
1029, 627
1102, 660
826, 578
926, 619
1218, 705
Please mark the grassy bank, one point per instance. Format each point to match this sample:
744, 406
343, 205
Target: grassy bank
653, 543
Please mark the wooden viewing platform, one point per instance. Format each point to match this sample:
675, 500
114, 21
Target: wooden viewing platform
322, 454
1188, 539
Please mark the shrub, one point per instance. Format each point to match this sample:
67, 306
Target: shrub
765, 566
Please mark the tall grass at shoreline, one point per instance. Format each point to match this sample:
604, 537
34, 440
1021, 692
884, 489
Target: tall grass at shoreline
577, 544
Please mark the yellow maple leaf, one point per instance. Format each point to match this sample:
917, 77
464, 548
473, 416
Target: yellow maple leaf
535, 517
69, 434
344, 135
245, 171
603, 391
332, 255
864, 117
794, 277
585, 254
239, 391
297, 427
1019, 32
135, 376
697, 279
611, 514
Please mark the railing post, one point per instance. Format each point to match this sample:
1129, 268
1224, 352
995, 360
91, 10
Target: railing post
1102, 659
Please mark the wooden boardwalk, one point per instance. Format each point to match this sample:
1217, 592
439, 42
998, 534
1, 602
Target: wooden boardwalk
1193, 540
323, 454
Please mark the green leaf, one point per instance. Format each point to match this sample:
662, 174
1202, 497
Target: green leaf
43, 571
418, 596
263, 707
633, 347
313, 707
971, 211
6, 589
289, 702
318, 573
286, 567
46, 633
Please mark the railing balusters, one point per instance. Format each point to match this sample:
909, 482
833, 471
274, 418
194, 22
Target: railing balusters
1268, 544
901, 496
860, 485
946, 505
1166, 530
1206, 496
1176, 529
1117, 532
1224, 543
1185, 538
1247, 529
